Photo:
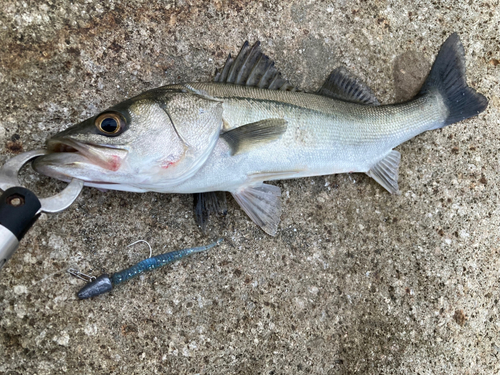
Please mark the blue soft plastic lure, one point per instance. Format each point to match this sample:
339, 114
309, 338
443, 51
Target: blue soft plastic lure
105, 283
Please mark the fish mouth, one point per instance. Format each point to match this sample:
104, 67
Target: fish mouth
61, 146
69, 158
104, 156
69, 146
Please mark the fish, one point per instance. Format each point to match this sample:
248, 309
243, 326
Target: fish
251, 126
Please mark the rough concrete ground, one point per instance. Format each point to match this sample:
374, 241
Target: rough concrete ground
357, 280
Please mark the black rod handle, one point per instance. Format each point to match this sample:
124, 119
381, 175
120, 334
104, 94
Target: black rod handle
19, 209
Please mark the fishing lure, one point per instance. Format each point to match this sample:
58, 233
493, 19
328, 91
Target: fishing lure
105, 282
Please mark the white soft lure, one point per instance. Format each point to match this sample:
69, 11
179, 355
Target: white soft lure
251, 126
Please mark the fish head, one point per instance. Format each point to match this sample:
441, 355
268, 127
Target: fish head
148, 143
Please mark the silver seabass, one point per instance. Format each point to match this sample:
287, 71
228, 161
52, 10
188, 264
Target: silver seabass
251, 126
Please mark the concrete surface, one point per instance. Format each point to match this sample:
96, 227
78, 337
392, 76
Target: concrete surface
357, 280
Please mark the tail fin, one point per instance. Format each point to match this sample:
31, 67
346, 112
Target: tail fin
448, 77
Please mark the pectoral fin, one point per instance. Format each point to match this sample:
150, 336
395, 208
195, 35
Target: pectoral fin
255, 134
263, 205
385, 172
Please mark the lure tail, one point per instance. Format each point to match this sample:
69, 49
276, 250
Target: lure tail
447, 76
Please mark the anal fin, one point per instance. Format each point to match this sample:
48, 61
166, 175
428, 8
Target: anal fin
254, 134
263, 204
385, 172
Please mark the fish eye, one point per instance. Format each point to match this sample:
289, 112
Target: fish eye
110, 123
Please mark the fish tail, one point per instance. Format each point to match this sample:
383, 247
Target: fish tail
447, 76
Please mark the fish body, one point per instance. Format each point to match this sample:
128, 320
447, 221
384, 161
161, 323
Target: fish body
251, 126
323, 136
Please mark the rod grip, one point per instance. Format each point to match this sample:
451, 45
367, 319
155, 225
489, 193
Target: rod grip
19, 209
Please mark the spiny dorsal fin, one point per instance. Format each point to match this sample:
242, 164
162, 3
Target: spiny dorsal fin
343, 85
385, 172
252, 68
254, 134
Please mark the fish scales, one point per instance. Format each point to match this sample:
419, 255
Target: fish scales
332, 120
327, 136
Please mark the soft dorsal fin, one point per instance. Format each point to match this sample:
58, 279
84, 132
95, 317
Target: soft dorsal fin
252, 68
343, 85
254, 134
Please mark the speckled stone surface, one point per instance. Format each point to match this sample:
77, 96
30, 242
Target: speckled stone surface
356, 281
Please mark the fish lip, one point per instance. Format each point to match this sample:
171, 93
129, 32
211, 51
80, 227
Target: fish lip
104, 156
66, 166
60, 145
